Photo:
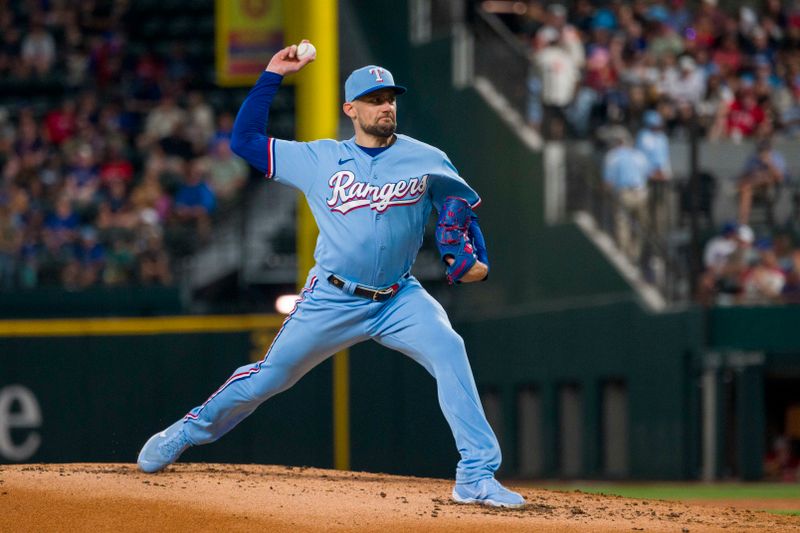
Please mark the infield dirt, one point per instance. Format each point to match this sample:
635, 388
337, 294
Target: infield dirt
214, 497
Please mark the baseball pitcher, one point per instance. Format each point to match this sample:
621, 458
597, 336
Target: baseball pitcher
371, 196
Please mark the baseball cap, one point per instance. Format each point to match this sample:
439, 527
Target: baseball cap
745, 234
729, 228
368, 79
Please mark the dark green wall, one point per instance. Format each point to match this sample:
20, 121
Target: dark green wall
102, 397
751, 345
96, 301
545, 349
755, 328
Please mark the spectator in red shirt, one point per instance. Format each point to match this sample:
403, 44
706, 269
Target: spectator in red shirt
728, 56
116, 166
745, 114
60, 123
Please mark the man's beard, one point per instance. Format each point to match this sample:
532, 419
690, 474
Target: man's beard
381, 129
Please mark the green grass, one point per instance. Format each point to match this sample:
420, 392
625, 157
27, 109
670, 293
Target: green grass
687, 491
690, 491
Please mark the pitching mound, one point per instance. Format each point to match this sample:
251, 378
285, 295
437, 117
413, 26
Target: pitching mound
212, 497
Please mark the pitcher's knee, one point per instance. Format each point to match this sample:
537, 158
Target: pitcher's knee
453, 343
452, 354
272, 379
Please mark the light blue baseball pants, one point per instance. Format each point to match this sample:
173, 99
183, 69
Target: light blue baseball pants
326, 320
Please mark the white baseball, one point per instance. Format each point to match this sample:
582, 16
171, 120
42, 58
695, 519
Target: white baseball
305, 50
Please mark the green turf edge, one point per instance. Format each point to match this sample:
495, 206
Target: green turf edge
784, 512
688, 491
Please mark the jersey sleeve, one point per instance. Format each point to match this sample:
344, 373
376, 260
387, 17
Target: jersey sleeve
446, 182
292, 163
288, 162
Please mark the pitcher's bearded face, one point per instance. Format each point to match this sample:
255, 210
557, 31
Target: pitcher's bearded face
377, 113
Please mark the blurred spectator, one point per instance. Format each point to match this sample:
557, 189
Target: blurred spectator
227, 172
153, 261
625, 173
61, 226
29, 145
83, 179
177, 143
712, 109
763, 283
745, 116
60, 123
194, 201
117, 207
664, 39
10, 45
162, 121
116, 167
224, 127
686, 83
763, 172
38, 49
566, 34
120, 263
791, 290
149, 194
780, 464
783, 246
790, 117
200, 121
654, 144
725, 258
560, 75
728, 57
9, 243
83, 269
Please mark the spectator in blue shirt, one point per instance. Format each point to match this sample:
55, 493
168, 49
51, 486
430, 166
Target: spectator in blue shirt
61, 226
654, 144
83, 269
195, 201
762, 173
625, 173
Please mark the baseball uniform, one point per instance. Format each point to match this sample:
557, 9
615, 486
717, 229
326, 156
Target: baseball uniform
371, 206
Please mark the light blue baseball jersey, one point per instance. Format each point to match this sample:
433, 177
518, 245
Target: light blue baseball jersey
371, 210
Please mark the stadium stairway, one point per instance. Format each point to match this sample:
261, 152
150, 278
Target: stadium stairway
256, 241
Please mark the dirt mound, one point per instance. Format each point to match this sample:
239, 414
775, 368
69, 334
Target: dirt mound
213, 497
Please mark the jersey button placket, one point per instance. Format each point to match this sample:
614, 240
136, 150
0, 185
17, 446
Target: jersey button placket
379, 244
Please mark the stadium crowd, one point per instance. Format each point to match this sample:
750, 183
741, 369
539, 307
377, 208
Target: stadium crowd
129, 157
636, 75
736, 71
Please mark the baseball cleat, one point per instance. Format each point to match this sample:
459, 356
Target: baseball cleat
163, 449
487, 491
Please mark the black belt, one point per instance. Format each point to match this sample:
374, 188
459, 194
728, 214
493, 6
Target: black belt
370, 294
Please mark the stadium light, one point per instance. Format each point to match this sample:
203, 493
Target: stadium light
285, 303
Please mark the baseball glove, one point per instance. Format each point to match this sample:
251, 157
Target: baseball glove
453, 239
